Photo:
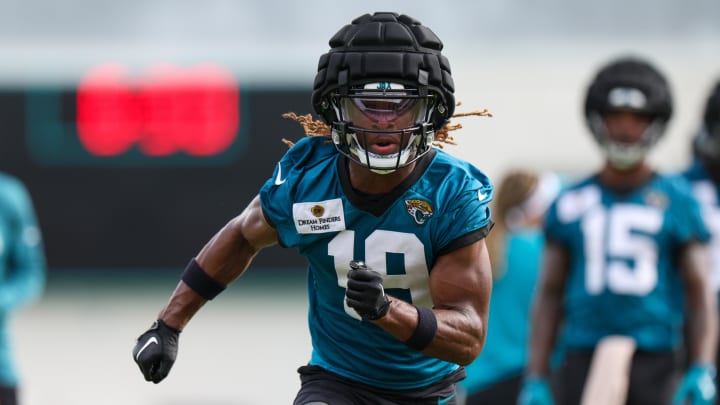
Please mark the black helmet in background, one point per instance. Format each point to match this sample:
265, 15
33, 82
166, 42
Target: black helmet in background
628, 84
707, 142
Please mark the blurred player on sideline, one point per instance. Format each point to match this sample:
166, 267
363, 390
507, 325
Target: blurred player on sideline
704, 175
393, 230
515, 246
625, 264
22, 271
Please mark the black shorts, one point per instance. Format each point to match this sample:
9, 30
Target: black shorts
505, 391
8, 395
653, 377
321, 387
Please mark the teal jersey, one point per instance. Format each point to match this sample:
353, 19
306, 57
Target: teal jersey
708, 195
624, 276
505, 352
441, 207
22, 263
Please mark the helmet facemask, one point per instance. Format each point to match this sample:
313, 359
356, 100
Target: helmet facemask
383, 126
708, 143
625, 155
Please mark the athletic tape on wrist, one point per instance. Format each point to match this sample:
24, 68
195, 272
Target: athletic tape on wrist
425, 330
199, 281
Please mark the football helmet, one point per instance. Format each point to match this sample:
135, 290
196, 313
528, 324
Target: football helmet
384, 78
628, 84
707, 142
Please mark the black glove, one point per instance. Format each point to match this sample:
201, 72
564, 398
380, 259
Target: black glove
155, 351
365, 293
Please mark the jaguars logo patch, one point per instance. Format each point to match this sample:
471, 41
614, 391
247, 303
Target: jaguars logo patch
419, 210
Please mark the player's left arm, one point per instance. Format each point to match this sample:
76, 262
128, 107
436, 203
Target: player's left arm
702, 316
460, 286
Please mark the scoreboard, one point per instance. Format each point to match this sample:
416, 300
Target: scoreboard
140, 172
112, 119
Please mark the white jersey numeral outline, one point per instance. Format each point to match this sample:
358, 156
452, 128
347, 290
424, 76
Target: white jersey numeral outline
377, 245
619, 253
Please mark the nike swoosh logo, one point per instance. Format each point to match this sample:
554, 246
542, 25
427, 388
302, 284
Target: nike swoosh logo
278, 179
145, 346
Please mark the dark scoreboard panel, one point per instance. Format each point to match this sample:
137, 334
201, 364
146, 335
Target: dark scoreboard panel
143, 176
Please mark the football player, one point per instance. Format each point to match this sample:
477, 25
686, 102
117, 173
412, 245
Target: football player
704, 175
22, 271
515, 245
392, 229
625, 264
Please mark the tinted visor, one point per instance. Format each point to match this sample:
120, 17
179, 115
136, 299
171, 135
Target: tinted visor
383, 112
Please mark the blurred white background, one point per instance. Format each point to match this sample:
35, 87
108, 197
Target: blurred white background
528, 62
243, 348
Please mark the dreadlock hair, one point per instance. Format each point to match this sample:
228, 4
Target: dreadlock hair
314, 127
513, 190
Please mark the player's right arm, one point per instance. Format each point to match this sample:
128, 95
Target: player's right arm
223, 259
698, 384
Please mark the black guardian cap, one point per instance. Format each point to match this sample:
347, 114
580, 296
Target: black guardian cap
385, 47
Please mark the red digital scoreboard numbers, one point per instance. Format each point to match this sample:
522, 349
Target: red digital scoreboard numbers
167, 114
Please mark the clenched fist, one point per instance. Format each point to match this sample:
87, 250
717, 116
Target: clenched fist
155, 351
365, 292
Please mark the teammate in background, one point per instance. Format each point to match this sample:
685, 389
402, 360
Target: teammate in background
515, 246
22, 271
625, 264
704, 175
393, 230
